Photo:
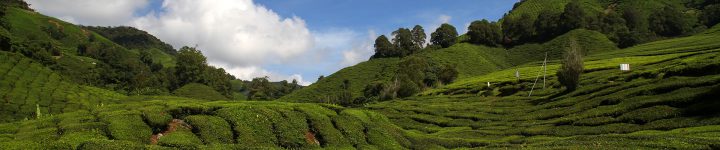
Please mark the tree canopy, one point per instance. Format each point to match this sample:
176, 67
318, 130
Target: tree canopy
445, 36
485, 32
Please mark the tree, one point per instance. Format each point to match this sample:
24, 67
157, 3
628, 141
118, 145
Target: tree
633, 18
518, 30
261, 89
218, 79
447, 74
613, 26
711, 15
444, 36
668, 22
547, 25
418, 34
383, 48
572, 67
403, 41
190, 65
485, 32
573, 17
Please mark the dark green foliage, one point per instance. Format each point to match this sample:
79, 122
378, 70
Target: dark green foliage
199, 91
211, 129
218, 79
547, 25
190, 65
261, 89
518, 30
711, 15
16, 4
444, 36
633, 18
572, 67
668, 21
404, 42
485, 33
447, 73
418, 34
573, 17
383, 48
132, 38
374, 90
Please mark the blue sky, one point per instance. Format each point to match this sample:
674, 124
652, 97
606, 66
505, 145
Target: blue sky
281, 39
383, 16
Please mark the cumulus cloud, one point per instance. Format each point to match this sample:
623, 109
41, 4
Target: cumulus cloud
238, 35
360, 51
90, 12
249, 73
234, 32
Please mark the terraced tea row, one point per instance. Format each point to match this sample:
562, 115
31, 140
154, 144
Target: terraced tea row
191, 124
26, 88
668, 103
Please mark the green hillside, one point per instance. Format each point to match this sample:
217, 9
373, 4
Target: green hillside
358, 75
27, 86
592, 42
666, 101
470, 60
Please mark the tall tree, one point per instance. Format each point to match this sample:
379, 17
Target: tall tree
419, 36
518, 30
573, 17
485, 32
383, 47
668, 21
445, 36
190, 65
711, 15
403, 41
547, 25
633, 18
572, 67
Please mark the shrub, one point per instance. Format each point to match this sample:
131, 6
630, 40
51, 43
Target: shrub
211, 129
572, 67
109, 145
199, 91
129, 126
180, 139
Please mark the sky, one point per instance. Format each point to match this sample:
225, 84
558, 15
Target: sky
280, 39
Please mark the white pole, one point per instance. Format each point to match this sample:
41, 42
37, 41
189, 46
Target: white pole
544, 69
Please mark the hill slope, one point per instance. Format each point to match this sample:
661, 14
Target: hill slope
666, 101
26, 86
470, 60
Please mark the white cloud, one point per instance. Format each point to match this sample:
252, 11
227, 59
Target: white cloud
431, 26
361, 51
237, 35
248, 73
235, 32
90, 12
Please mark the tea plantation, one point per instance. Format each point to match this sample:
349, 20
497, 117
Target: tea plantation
29, 90
206, 125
